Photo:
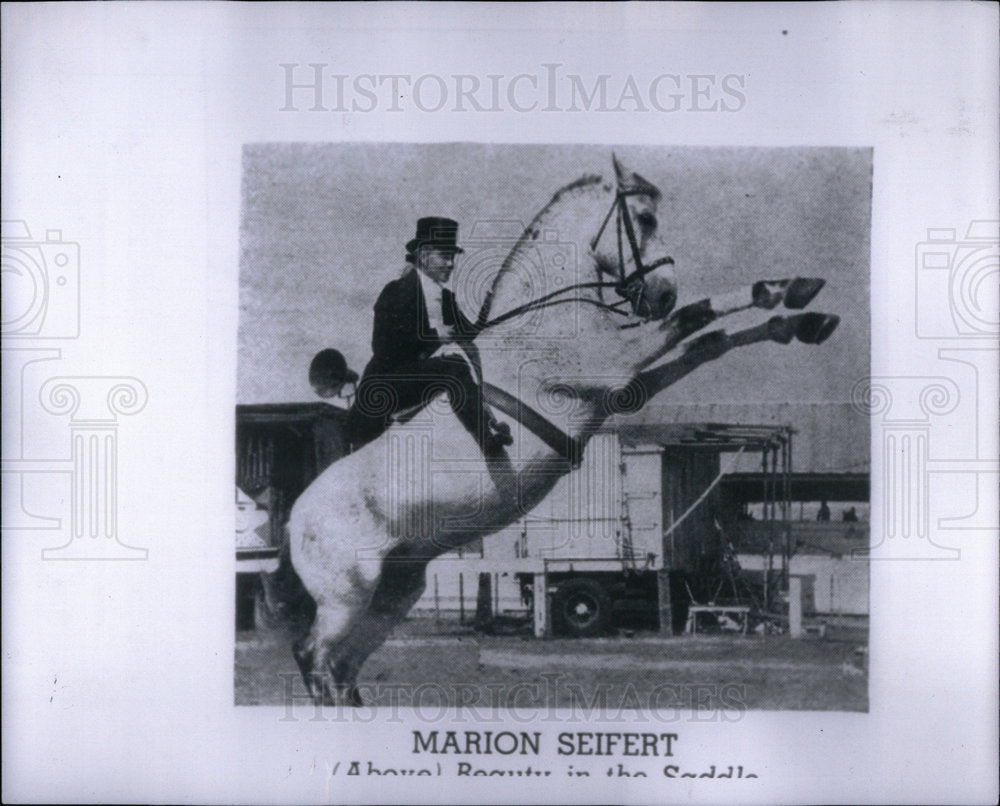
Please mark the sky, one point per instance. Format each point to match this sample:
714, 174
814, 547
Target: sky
323, 228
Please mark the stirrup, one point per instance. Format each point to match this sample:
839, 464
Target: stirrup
496, 438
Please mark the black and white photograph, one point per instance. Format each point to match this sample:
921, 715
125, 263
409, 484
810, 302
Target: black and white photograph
411, 402
595, 430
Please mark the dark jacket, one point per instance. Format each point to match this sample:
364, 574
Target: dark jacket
402, 333
402, 345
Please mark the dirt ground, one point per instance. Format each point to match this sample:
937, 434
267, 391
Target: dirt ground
433, 665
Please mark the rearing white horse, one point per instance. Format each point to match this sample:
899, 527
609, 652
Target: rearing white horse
574, 324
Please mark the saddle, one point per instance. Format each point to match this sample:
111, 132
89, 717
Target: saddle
498, 434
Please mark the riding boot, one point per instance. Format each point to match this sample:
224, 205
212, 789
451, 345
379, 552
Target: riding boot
496, 435
474, 414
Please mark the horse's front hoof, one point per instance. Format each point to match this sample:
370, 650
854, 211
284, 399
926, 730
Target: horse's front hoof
801, 291
815, 328
768, 293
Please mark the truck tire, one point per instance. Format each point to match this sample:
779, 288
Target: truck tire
582, 608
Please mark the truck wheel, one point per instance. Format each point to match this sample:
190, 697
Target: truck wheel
582, 608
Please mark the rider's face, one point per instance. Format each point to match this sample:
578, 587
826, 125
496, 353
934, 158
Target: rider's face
438, 264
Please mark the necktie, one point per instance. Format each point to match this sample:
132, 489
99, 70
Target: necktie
448, 307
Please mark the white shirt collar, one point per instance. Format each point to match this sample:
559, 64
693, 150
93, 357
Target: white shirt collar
432, 297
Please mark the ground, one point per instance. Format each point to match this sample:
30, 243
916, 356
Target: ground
430, 665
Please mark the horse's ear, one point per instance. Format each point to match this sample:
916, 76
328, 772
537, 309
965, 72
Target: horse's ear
630, 180
620, 172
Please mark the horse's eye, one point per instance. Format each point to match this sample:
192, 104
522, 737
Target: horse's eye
647, 222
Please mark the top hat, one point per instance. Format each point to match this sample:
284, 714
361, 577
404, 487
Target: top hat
441, 233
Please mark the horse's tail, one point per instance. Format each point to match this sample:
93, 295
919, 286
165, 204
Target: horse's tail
286, 604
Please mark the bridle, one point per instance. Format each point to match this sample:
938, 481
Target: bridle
636, 281
628, 286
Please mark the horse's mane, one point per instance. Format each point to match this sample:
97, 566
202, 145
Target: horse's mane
583, 181
531, 232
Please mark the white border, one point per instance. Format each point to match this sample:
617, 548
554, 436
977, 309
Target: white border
122, 125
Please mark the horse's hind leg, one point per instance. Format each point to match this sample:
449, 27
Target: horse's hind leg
304, 652
314, 651
401, 584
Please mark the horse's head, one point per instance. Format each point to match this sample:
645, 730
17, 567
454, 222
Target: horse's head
627, 247
593, 253
568, 305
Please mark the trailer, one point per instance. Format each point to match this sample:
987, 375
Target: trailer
586, 558
637, 537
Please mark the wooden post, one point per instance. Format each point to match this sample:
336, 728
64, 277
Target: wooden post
795, 607
247, 586
767, 572
540, 597
461, 598
664, 606
484, 602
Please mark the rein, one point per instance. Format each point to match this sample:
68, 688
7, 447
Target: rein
569, 448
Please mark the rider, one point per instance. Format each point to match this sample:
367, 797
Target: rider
416, 344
